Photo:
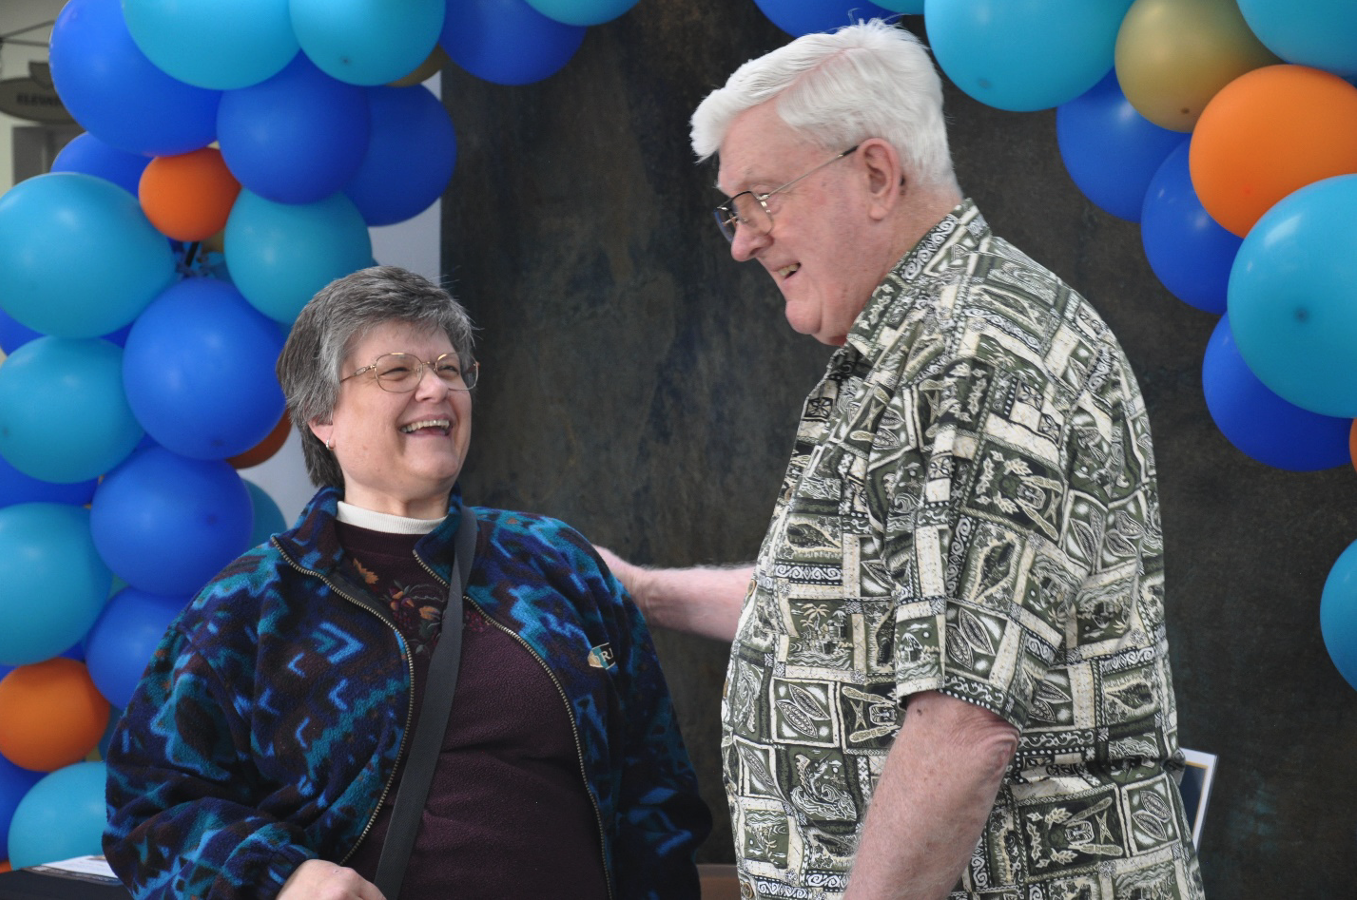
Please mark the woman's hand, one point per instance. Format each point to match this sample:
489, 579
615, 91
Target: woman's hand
317, 879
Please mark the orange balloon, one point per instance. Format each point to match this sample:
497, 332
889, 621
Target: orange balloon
266, 448
53, 714
1352, 443
1172, 56
188, 197
1268, 133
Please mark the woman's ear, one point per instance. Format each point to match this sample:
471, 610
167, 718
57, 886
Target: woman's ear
322, 430
885, 175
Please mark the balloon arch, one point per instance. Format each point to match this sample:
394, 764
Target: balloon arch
237, 151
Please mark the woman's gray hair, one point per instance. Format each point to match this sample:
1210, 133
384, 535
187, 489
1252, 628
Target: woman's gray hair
334, 321
869, 80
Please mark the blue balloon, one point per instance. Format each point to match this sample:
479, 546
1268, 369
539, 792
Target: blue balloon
1024, 56
1258, 422
587, 12
63, 414
119, 95
367, 42
218, 44
1317, 33
14, 334
296, 138
909, 7
796, 17
123, 639
410, 156
1187, 249
1110, 150
1293, 297
199, 370
1338, 614
15, 782
61, 817
87, 154
280, 254
268, 518
158, 500
78, 258
507, 41
47, 552
16, 487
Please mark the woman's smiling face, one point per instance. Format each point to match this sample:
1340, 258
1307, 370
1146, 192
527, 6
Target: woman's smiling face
400, 453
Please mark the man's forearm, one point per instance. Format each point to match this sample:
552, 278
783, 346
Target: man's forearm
932, 801
702, 600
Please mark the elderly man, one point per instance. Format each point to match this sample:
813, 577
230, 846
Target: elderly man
949, 674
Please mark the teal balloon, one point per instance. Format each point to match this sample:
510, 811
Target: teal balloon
582, 12
61, 817
55, 581
1024, 56
78, 258
64, 416
1292, 297
268, 518
367, 42
1317, 33
216, 44
908, 7
280, 254
1338, 614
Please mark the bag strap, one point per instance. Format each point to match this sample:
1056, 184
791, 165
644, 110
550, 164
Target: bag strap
433, 721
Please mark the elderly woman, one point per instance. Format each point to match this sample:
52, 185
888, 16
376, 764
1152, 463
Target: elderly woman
263, 751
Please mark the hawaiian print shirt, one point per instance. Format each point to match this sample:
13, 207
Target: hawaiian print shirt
971, 508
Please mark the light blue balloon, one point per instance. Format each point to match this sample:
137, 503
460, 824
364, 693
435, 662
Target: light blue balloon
280, 254
1292, 297
78, 257
1024, 56
216, 44
61, 817
1318, 33
1338, 614
63, 414
367, 42
582, 12
268, 518
55, 581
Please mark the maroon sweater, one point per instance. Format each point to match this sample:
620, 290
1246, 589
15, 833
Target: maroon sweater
508, 814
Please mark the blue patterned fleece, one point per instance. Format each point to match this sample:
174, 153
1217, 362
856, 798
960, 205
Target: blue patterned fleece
270, 719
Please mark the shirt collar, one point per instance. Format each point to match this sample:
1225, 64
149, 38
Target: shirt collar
963, 227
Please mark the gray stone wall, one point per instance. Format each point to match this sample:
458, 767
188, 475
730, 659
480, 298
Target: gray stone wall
641, 385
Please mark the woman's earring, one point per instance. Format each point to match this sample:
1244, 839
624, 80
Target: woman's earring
330, 445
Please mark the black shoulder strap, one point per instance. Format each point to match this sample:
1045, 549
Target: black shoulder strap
433, 721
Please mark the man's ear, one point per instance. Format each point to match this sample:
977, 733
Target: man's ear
885, 175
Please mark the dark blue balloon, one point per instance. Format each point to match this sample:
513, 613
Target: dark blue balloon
507, 41
116, 93
86, 153
16, 487
297, 137
1258, 422
1188, 250
198, 370
15, 782
1111, 150
14, 334
798, 17
410, 155
165, 524
121, 641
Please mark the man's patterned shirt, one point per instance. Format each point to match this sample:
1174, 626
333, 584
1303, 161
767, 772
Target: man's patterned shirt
971, 508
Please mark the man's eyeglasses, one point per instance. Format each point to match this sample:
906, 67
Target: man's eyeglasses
399, 373
750, 210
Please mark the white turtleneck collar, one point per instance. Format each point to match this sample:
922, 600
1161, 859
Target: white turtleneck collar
377, 521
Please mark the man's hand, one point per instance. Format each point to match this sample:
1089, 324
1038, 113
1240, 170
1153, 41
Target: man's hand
317, 879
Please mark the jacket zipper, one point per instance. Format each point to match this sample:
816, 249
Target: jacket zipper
574, 730
410, 707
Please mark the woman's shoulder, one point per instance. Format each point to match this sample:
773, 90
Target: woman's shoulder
527, 529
